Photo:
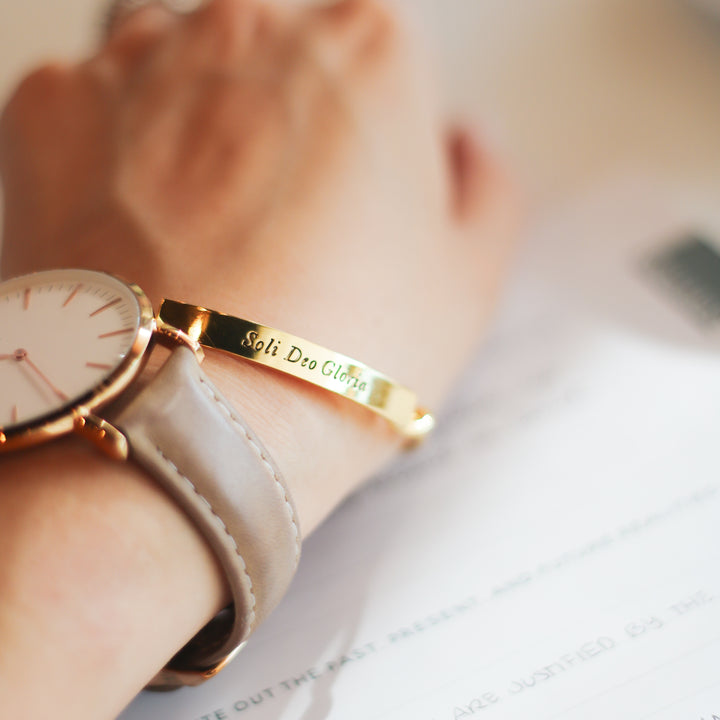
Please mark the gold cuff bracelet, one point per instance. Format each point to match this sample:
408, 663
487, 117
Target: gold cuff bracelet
302, 359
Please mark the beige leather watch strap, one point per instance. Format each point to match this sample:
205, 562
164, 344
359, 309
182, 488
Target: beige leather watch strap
187, 435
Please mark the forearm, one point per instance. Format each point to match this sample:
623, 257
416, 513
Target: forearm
102, 577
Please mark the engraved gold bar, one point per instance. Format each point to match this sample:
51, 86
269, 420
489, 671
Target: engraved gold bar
302, 359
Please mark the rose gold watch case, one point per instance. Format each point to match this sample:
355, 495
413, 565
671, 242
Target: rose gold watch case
72, 416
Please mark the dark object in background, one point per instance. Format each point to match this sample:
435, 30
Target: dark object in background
690, 268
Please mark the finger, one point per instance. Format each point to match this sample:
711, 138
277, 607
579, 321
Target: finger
486, 213
481, 190
348, 19
467, 174
136, 18
348, 29
221, 32
133, 33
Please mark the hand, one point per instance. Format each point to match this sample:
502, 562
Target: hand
282, 164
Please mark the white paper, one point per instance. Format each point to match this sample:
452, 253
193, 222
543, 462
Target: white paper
554, 551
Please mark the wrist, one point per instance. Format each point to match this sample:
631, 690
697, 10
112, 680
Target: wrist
324, 445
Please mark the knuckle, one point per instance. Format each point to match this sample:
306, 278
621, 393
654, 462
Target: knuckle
359, 11
383, 38
363, 31
136, 34
227, 24
224, 16
378, 22
137, 21
217, 12
36, 90
384, 19
42, 81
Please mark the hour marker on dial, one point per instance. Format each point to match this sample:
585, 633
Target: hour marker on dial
26, 299
116, 332
98, 366
14, 414
105, 307
72, 295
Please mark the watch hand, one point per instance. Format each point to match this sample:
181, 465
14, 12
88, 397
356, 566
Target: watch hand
7, 357
22, 355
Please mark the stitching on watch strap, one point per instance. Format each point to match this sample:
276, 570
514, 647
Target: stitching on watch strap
176, 470
241, 428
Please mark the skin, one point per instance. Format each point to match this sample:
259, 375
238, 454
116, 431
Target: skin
281, 164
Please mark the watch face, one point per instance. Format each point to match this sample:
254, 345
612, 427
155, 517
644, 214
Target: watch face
69, 339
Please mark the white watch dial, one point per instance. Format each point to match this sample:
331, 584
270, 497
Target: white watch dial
63, 333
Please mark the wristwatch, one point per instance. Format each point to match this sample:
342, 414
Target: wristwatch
72, 345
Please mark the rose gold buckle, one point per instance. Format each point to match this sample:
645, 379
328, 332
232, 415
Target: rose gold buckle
173, 679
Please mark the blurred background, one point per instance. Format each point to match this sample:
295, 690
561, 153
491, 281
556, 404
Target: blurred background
575, 93
580, 95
